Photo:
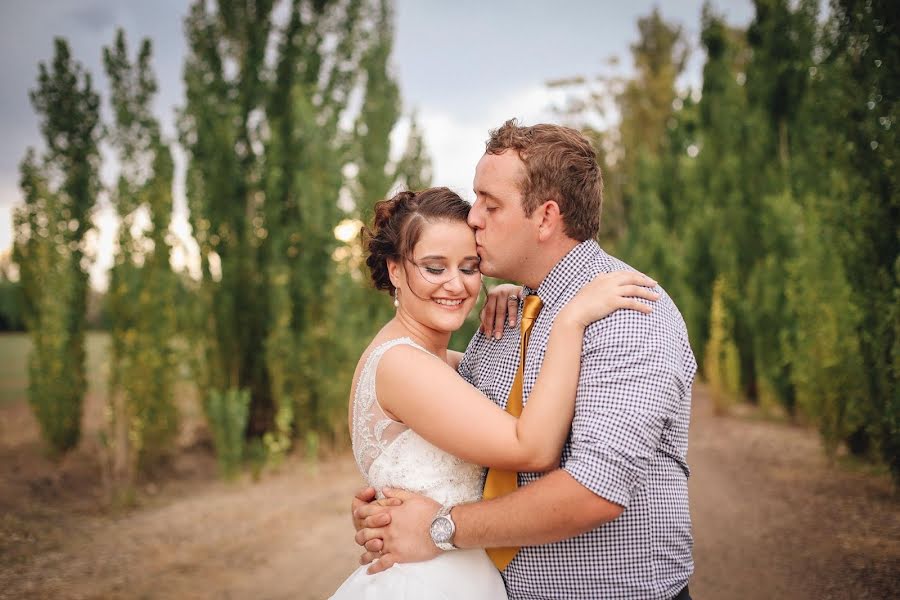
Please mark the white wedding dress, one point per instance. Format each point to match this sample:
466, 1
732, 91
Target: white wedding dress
389, 454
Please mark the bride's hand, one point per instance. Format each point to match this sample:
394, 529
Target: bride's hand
609, 292
501, 305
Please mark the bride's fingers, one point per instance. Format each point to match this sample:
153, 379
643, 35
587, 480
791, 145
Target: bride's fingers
512, 309
635, 278
488, 313
499, 318
368, 557
633, 304
638, 291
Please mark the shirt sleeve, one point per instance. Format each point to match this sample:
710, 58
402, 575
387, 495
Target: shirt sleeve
627, 394
466, 368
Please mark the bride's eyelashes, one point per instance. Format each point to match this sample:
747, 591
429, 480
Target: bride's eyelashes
464, 270
440, 270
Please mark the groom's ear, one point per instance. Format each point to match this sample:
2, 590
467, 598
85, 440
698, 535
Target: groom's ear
550, 220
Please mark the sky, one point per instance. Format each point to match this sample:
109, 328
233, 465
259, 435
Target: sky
464, 67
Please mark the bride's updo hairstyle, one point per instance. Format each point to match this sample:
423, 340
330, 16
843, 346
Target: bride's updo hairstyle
398, 224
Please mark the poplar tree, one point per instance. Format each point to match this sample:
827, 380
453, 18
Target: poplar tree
273, 169
142, 291
60, 190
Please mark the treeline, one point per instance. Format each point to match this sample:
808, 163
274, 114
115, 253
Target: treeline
768, 205
766, 202
286, 129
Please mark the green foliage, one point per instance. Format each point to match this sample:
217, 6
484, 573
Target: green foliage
226, 415
60, 193
283, 310
828, 368
142, 291
722, 366
414, 168
770, 311
769, 208
11, 306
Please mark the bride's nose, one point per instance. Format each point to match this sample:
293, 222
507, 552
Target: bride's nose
455, 285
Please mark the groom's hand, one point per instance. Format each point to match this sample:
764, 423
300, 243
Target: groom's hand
365, 506
406, 537
369, 512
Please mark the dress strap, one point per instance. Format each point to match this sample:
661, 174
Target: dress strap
372, 429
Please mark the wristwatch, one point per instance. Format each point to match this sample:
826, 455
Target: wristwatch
442, 529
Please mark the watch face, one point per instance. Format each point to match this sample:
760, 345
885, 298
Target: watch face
441, 529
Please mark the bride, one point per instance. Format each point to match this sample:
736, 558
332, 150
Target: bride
416, 424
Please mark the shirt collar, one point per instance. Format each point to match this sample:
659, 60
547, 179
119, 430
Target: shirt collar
567, 270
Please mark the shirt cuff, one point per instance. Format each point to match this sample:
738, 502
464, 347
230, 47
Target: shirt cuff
605, 474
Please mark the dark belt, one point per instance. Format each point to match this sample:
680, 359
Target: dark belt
683, 594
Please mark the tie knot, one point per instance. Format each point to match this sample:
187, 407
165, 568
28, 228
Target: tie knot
533, 305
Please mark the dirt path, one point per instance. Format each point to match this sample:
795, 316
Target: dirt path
771, 520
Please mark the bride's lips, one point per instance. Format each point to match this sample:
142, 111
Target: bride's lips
457, 303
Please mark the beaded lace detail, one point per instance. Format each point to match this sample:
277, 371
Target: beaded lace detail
389, 454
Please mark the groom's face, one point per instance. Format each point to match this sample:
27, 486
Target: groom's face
505, 237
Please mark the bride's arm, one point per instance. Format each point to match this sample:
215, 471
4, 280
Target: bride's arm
429, 397
454, 358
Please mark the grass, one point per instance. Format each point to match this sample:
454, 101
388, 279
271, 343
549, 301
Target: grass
14, 349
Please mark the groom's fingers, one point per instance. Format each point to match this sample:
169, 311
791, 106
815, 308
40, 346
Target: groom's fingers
362, 498
397, 493
361, 511
376, 545
377, 520
368, 533
368, 557
383, 563
371, 516
365, 495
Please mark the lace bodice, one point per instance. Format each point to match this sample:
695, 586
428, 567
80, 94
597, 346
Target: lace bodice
389, 454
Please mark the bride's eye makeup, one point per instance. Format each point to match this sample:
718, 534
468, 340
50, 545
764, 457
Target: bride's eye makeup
470, 269
465, 269
438, 269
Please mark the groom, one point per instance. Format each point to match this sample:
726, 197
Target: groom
613, 521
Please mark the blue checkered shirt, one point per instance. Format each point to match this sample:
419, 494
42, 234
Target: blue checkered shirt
628, 442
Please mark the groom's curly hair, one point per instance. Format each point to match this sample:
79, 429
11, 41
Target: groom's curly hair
560, 165
398, 223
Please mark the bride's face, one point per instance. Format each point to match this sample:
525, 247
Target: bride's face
439, 280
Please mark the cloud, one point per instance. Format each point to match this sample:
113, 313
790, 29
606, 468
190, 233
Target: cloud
94, 17
457, 143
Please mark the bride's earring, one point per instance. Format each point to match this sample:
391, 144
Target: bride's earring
396, 299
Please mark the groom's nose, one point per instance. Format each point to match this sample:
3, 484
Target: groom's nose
476, 215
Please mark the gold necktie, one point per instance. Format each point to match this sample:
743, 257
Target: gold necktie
501, 482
